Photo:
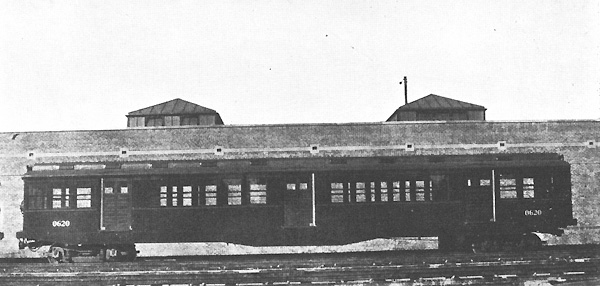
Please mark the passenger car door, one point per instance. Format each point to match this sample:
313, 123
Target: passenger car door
116, 205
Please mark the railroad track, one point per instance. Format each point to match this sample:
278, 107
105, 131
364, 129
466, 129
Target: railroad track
451, 274
400, 268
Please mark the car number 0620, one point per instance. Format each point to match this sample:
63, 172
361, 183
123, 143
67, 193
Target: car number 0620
61, 223
533, 212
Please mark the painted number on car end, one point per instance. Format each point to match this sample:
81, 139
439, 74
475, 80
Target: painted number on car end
533, 212
61, 223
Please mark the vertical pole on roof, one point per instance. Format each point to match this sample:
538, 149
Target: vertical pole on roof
405, 90
314, 210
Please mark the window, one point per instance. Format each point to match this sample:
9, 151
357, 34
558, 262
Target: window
297, 186
420, 191
118, 190
187, 196
413, 191
384, 191
396, 195
205, 193
337, 192
431, 190
258, 190
528, 188
207, 119
508, 188
169, 196
234, 191
155, 121
163, 196
303, 186
210, 192
361, 196
84, 198
171, 120
442, 115
137, 121
372, 185
174, 196
60, 198
36, 198
59, 195
189, 120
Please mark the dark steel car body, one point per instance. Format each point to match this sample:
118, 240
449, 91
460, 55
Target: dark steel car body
298, 201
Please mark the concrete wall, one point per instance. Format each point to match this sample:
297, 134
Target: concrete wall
576, 140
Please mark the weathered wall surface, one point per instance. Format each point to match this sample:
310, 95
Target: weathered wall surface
576, 140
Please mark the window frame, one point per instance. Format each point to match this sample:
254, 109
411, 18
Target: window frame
258, 189
508, 187
214, 191
151, 121
214, 195
41, 193
83, 197
186, 120
530, 188
50, 193
234, 192
529, 184
380, 188
63, 197
178, 192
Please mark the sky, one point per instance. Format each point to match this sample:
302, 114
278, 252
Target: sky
83, 65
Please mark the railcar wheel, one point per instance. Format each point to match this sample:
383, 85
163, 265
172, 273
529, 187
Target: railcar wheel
118, 253
109, 254
55, 255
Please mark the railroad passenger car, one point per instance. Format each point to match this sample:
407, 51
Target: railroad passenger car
485, 201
